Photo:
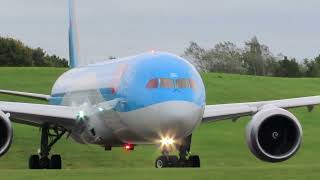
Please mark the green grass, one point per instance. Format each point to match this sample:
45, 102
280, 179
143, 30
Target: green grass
224, 153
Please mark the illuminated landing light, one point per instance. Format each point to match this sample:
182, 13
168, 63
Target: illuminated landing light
167, 141
167, 144
153, 51
129, 147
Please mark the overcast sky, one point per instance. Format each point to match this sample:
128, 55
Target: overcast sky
126, 27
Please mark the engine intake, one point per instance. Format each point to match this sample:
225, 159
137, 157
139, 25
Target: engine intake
6, 133
274, 135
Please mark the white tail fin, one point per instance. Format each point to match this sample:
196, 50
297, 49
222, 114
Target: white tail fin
73, 37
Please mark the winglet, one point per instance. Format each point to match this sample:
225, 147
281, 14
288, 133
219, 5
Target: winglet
73, 37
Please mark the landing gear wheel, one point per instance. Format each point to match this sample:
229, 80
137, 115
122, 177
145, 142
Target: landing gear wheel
55, 162
172, 161
161, 162
194, 161
44, 163
34, 162
49, 137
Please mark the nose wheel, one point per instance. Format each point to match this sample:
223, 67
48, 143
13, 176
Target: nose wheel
175, 162
42, 161
184, 159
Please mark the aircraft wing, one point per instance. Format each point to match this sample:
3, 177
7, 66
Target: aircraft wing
234, 111
26, 94
39, 114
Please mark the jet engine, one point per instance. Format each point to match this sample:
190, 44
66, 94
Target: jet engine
274, 134
6, 133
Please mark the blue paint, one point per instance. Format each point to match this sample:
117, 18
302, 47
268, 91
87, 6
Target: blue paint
108, 93
73, 49
56, 99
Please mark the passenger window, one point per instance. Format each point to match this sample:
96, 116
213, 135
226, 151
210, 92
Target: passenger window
166, 83
153, 83
183, 83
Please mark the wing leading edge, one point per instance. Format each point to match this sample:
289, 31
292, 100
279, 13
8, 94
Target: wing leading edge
39, 114
233, 111
26, 94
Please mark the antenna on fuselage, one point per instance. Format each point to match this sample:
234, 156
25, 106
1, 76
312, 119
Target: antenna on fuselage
73, 37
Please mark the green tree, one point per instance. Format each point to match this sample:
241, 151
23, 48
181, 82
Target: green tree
15, 53
288, 68
312, 67
197, 56
224, 57
253, 57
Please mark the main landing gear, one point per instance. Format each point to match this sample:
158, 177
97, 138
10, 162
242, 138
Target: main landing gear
184, 160
42, 161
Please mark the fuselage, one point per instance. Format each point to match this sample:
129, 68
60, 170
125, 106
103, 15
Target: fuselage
135, 100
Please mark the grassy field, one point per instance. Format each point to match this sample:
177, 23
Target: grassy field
224, 153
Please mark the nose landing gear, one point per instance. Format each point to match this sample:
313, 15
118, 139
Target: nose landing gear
184, 159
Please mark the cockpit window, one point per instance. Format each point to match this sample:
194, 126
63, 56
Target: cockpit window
153, 83
166, 83
193, 84
183, 83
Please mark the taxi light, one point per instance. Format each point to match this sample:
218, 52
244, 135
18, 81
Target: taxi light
167, 141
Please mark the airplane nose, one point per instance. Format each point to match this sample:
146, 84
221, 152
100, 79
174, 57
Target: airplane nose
180, 118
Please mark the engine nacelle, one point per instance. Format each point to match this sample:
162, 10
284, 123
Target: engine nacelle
274, 134
6, 133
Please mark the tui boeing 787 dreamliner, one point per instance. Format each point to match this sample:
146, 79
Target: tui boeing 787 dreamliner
152, 98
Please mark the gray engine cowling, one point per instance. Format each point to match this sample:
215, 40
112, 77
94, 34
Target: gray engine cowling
274, 134
6, 133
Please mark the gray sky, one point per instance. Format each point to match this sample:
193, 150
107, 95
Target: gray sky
126, 27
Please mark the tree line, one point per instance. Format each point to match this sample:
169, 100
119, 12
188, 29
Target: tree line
225, 57
253, 59
15, 53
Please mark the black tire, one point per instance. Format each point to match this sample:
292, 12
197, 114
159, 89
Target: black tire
34, 162
172, 161
195, 161
44, 163
56, 162
161, 162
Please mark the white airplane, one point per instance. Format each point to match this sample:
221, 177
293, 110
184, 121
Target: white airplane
151, 98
